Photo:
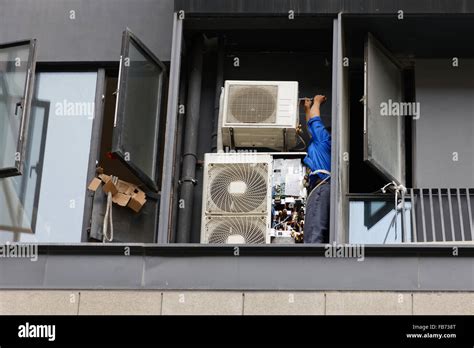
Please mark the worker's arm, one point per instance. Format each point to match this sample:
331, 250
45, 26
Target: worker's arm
307, 108
313, 111
313, 120
318, 100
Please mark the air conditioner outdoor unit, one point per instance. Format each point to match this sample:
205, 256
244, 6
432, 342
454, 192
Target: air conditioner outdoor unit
260, 114
236, 202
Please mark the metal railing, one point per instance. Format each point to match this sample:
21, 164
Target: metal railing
441, 215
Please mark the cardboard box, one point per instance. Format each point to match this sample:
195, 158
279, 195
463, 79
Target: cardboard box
94, 185
137, 200
124, 194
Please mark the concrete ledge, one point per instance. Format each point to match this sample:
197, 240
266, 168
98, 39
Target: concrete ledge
120, 302
21, 302
457, 303
145, 302
202, 303
284, 303
368, 303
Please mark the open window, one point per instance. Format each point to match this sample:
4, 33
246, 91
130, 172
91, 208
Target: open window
138, 110
17, 66
384, 138
131, 138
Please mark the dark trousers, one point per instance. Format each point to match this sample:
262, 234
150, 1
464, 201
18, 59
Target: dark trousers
316, 224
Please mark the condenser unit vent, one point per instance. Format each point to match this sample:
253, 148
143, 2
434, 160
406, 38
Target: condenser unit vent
236, 198
235, 230
237, 188
252, 104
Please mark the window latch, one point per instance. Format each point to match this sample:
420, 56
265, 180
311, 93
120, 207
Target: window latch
35, 168
18, 105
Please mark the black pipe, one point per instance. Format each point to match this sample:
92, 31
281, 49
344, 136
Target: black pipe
188, 180
219, 85
177, 158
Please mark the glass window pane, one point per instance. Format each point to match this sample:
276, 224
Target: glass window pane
373, 221
14, 65
139, 111
48, 199
19, 195
384, 142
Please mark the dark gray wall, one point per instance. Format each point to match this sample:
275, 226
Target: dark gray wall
95, 34
427, 268
446, 124
323, 6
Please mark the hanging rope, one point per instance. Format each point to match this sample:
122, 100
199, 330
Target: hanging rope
108, 216
317, 171
399, 190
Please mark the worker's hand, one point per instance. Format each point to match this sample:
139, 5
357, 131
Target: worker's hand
319, 99
307, 103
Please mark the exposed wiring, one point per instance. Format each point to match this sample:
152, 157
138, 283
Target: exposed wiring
301, 142
278, 224
299, 131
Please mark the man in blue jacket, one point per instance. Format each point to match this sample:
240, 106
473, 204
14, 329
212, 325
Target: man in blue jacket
318, 160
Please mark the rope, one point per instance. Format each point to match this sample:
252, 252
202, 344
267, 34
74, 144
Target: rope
317, 171
108, 216
399, 190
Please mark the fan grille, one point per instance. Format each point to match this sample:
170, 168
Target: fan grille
237, 188
252, 104
223, 230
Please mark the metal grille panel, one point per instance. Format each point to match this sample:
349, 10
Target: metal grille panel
252, 104
223, 230
237, 188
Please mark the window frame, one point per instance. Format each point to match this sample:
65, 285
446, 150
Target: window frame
368, 156
22, 138
39, 173
128, 38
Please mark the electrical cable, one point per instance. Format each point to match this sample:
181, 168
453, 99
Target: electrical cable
282, 221
302, 141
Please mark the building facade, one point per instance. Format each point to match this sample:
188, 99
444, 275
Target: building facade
133, 87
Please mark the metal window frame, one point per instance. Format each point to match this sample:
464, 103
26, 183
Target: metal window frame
339, 212
166, 197
129, 38
37, 103
26, 107
94, 153
401, 120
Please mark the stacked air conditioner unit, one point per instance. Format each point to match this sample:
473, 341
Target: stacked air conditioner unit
237, 187
236, 198
260, 114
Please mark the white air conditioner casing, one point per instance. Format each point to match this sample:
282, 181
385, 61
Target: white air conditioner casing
236, 203
260, 114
